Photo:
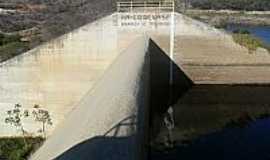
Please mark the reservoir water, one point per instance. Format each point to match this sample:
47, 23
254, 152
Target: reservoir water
219, 122
248, 143
198, 133
262, 32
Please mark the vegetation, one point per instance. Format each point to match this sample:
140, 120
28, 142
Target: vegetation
5, 39
241, 31
260, 5
249, 41
11, 45
42, 116
18, 114
19, 148
14, 118
15, 148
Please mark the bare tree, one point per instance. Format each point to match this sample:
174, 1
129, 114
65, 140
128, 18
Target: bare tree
42, 116
14, 118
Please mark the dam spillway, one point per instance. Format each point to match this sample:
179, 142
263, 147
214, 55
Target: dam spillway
60, 74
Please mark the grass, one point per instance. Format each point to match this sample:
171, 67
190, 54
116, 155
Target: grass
250, 42
12, 49
16, 148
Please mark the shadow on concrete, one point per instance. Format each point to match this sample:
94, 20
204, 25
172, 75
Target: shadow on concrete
227, 95
110, 146
129, 122
101, 148
162, 94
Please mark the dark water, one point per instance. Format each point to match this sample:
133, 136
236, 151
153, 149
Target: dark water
249, 143
262, 32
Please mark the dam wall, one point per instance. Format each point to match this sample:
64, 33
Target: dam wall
110, 122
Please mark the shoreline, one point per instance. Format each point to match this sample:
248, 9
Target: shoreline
221, 18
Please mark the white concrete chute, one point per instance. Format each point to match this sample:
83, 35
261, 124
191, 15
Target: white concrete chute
108, 123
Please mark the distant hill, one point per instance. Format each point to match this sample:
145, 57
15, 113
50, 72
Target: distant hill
249, 5
52, 17
38, 21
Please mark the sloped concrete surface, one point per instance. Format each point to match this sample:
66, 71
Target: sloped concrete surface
57, 74
108, 122
210, 56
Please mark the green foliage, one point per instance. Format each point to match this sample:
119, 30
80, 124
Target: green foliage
260, 5
19, 148
6, 39
248, 41
15, 148
241, 31
11, 45
12, 49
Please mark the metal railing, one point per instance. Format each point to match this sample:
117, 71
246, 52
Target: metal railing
138, 6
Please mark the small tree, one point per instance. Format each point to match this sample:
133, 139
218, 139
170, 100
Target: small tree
42, 116
14, 118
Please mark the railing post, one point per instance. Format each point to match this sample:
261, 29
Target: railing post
131, 6
168, 6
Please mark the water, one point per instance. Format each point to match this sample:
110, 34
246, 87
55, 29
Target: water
249, 143
262, 32
214, 123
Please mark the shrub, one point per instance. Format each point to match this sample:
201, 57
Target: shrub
248, 41
241, 31
6, 39
15, 148
12, 49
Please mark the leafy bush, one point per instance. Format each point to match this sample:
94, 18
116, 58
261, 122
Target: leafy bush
15, 148
12, 49
248, 41
241, 31
5, 39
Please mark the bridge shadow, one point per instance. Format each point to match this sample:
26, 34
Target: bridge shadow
162, 94
110, 146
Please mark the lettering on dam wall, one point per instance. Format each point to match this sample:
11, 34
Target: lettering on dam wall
143, 19
144, 13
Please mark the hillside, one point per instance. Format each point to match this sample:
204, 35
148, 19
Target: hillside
52, 17
250, 5
37, 21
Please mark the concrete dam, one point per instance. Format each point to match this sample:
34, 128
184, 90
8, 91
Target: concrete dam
106, 82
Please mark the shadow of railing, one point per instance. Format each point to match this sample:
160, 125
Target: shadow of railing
104, 147
129, 122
